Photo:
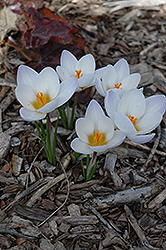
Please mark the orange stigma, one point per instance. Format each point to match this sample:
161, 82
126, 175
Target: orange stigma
41, 98
97, 139
78, 73
132, 119
117, 85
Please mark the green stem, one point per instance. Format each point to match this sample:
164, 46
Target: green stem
72, 114
48, 139
42, 139
63, 116
54, 141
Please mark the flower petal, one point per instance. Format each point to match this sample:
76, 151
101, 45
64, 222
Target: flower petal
85, 80
63, 73
26, 76
132, 103
109, 78
156, 103
131, 81
94, 113
99, 149
148, 122
122, 69
28, 115
117, 139
50, 106
99, 72
26, 96
87, 64
68, 61
106, 127
124, 124
48, 82
78, 146
67, 89
111, 102
84, 128
141, 138
99, 87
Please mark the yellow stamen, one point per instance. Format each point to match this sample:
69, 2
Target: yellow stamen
78, 73
41, 100
97, 139
117, 85
132, 119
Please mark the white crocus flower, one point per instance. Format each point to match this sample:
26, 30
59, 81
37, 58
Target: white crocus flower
83, 69
117, 78
95, 132
135, 115
41, 93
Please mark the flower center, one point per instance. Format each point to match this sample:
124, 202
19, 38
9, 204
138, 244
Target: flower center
118, 85
97, 139
132, 119
41, 100
78, 73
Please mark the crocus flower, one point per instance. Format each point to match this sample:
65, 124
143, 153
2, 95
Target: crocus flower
117, 78
95, 131
41, 93
135, 115
83, 69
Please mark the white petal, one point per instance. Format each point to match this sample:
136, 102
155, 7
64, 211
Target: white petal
48, 82
26, 76
132, 103
86, 64
131, 81
26, 96
99, 72
124, 124
106, 127
99, 87
156, 103
28, 115
122, 69
49, 107
109, 78
94, 112
63, 73
117, 139
111, 102
67, 89
84, 128
148, 122
85, 80
99, 149
141, 138
78, 146
68, 61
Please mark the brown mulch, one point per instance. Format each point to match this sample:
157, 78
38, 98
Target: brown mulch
123, 206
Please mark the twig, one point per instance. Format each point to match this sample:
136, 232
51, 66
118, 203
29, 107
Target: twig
153, 149
137, 229
5, 229
143, 147
68, 190
28, 173
101, 218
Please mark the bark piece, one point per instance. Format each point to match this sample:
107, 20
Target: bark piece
4, 144
7, 21
74, 210
158, 199
137, 228
126, 196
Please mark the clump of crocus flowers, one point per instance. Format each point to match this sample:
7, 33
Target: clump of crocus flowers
128, 112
